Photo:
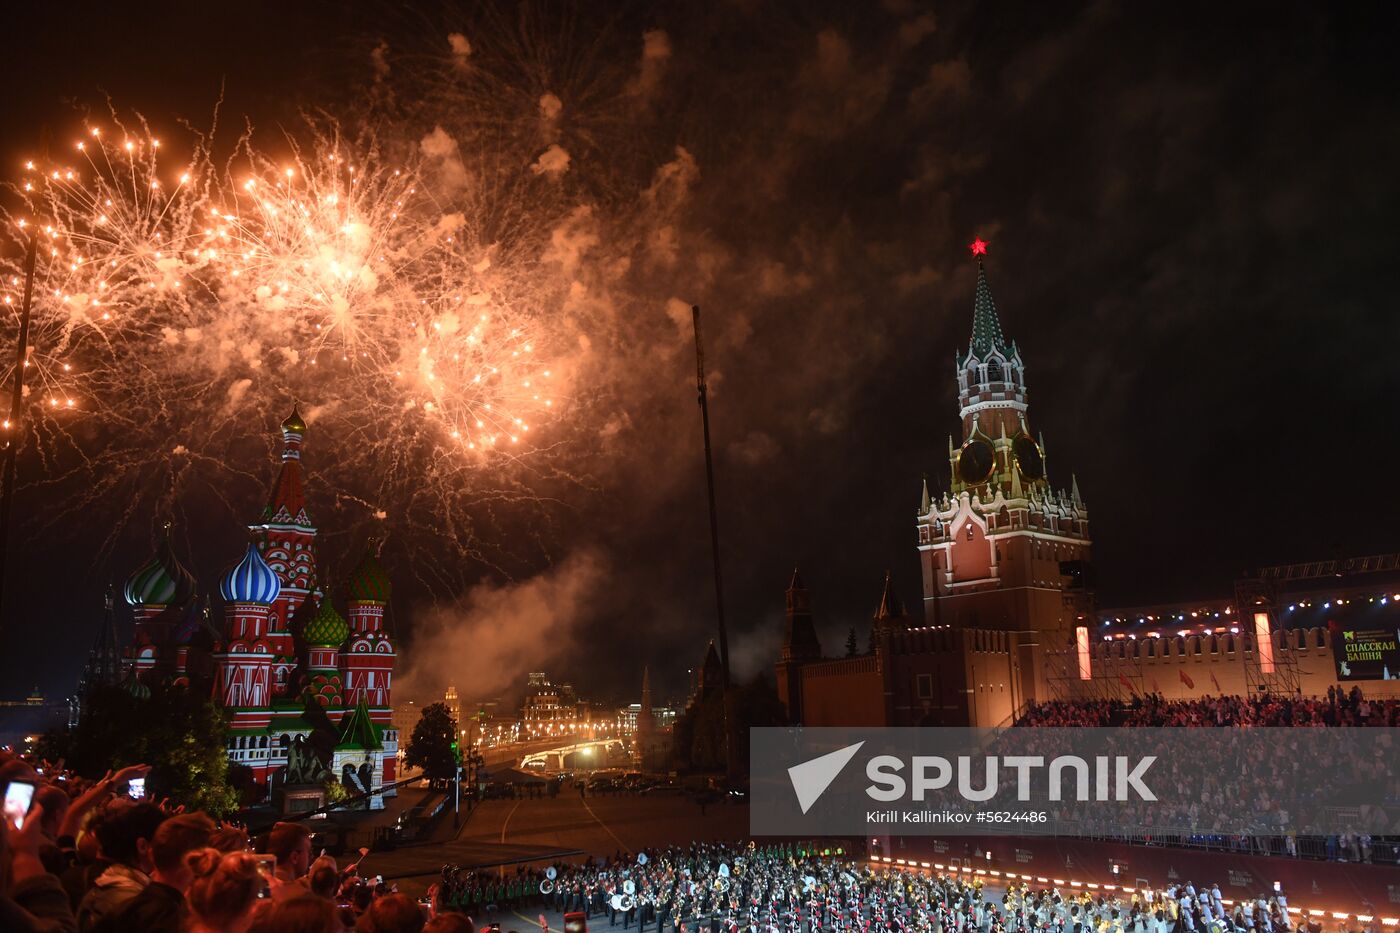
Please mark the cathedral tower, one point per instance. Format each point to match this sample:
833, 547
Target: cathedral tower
368, 659
250, 591
156, 593
288, 545
323, 636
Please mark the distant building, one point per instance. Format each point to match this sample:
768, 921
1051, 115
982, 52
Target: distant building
454, 707
104, 663
546, 703
650, 726
710, 676
406, 716
22, 722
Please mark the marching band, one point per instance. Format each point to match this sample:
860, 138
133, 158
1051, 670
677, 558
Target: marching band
710, 888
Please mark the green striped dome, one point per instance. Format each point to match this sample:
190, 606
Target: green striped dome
161, 581
368, 582
327, 629
135, 687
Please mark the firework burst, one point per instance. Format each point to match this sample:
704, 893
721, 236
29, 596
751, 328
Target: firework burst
116, 252
177, 310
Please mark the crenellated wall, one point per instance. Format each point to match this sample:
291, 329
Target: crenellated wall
1214, 664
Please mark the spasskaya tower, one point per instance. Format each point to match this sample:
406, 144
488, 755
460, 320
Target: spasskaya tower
1001, 548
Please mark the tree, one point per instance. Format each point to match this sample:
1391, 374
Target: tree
851, 648
182, 737
433, 746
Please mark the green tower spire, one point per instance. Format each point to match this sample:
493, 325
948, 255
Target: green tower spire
986, 328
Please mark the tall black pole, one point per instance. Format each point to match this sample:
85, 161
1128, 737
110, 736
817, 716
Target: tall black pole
704, 394
12, 433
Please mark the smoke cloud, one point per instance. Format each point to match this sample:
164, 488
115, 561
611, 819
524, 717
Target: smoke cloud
486, 641
553, 161
656, 54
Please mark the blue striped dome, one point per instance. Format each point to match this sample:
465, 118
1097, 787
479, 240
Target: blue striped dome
252, 581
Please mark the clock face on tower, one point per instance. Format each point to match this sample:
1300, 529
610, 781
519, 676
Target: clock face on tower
1028, 457
976, 461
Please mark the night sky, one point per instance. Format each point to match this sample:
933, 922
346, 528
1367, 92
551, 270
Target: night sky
1191, 216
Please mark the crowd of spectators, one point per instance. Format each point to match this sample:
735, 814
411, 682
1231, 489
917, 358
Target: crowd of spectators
1337, 708
87, 857
1255, 784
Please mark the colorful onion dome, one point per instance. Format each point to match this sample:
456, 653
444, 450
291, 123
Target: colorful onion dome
161, 581
327, 628
294, 423
368, 581
252, 581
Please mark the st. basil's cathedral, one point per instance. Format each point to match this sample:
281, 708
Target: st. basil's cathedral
305, 688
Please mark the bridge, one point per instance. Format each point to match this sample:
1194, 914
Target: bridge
560, 753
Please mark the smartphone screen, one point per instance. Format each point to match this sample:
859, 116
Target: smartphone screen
18, 797
136, 788
267, 865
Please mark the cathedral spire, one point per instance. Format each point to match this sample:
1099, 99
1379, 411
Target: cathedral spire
924, 502
287, 504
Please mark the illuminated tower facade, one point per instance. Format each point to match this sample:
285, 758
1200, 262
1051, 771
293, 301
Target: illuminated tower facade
1001, 548
288, 545
323, 636
250, 591
367, 662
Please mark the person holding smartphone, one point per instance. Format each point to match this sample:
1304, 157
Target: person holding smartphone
19, 796
34, 899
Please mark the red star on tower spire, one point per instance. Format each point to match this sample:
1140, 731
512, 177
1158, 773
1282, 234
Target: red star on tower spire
978, 247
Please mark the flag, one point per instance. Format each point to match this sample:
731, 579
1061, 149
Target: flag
1190, 684
1216, 682
1124, 681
